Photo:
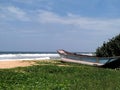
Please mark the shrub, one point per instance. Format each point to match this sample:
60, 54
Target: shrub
110, 48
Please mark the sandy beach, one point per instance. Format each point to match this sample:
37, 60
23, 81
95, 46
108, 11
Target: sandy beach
13, 64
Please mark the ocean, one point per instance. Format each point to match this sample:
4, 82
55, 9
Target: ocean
5, 56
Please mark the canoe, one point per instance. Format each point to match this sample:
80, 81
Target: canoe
107, 62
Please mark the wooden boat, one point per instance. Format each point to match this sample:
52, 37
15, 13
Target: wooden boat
108, 62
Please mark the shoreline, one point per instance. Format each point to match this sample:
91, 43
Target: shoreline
24, 60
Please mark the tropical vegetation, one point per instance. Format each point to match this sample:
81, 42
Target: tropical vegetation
110, 48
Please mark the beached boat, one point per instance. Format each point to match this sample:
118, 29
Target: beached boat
108, 62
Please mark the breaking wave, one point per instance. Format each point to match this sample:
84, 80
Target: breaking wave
27, 56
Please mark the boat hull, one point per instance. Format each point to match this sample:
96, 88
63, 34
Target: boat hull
81, 62
88, 60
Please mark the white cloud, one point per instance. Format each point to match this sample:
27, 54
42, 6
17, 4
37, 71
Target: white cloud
24, 1
46, 4
48, 17
78, 21
13, 13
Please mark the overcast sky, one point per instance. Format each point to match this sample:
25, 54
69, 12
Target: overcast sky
48, 25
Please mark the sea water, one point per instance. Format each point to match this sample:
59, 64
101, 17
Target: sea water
32, 55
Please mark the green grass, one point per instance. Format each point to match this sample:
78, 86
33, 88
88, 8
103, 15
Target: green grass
59, 76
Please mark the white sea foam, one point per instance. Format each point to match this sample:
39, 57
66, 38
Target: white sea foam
28, 56
7, 55
89, 54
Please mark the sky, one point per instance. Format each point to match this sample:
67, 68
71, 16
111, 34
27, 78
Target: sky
49, 25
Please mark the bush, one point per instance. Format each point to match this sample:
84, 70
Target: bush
110, 48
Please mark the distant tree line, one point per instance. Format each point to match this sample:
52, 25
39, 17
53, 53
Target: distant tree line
110, 48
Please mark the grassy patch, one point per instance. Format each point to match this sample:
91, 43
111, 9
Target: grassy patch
54, 75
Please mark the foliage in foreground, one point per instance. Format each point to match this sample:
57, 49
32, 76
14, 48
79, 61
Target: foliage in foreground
111, 48
59, 76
